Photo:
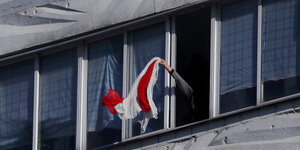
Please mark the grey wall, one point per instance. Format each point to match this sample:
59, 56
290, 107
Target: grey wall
272, 127
27, 23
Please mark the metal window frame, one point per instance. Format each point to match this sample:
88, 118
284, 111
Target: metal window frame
167, 75
128, 57
58, 49
259, 86
86, 43
215, 59
36, 104
81, 120
17, 60
126, 125
173, 65
37, 108
125, 81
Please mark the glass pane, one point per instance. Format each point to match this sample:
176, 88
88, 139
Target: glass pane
280, 48
105, 71
238, 55
145, 44
58, 92
16, 106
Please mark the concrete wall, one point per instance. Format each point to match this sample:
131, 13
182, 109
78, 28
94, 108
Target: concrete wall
272, 127
27, 23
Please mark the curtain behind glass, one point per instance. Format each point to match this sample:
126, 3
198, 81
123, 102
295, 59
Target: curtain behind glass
145, 44
58, 92
105, 70
238, 55
16, 106
280, 48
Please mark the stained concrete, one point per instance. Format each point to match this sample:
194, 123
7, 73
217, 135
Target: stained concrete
272, 127
29, 23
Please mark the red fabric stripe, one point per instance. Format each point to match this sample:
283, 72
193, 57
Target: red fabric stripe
113, 97
111, 100
142, 89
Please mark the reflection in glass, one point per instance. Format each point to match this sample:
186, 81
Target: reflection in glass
16, 106
105, 69
281, 48
238, 55
145, 44
58, 92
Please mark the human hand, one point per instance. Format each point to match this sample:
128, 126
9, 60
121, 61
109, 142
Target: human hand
165, 64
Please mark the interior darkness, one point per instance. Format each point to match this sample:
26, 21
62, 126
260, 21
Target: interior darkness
193, 64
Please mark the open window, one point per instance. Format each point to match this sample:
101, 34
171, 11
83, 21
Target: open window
193, 63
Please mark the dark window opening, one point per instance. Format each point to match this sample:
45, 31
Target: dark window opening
193, 64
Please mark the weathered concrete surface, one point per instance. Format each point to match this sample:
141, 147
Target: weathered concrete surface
273, 127
27, 23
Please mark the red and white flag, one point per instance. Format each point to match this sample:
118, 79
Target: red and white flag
140, 97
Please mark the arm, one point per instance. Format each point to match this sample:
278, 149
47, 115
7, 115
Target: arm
183, 86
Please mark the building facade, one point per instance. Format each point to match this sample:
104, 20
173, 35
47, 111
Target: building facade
58, 58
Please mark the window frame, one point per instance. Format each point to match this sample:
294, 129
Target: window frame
259, 84
15, 60
126, 129
81, 43
37, 108
83, 63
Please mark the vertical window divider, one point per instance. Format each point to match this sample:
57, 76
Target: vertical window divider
125, 82
129, 73
36, 106
81, 125
259, 83
167, 75
173, 65
215, 60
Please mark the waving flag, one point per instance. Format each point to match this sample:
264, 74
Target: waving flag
140, 97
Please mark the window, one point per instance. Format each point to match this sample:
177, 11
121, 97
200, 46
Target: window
193, 64
238, 55
281, 48
105, 71
16, 106
115, 63
58, 96
144, 44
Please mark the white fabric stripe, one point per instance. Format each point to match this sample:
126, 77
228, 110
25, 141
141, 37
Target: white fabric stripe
130, 108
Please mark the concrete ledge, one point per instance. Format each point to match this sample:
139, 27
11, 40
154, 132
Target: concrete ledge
264, 124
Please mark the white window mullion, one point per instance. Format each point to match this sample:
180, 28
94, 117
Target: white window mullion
81, 128
173, 65
125, 83
36, 106
167, 75
259, 83
215, 60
